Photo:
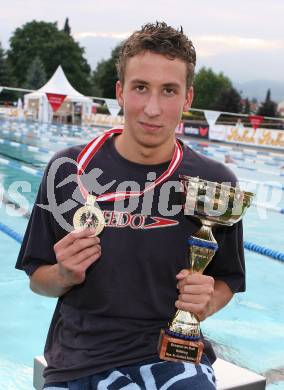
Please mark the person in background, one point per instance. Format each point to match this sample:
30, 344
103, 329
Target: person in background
228, 159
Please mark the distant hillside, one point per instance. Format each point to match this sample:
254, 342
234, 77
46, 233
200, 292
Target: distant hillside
258, 89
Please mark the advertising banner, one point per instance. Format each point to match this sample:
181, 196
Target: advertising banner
108, 120
256, 120
217, 133
196, 131
259, 137
180, 128
55, 100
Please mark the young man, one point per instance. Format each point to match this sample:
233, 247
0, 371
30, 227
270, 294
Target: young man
119, 289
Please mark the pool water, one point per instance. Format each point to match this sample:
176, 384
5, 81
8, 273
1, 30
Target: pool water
249, 331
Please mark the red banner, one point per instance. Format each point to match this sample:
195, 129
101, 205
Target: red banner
55, 100
255, 120
203, 131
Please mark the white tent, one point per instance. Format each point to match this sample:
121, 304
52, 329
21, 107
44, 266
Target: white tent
58, 84
280, 108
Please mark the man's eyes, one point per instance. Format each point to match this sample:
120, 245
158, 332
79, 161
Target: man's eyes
140, 88
169, 91
166, 91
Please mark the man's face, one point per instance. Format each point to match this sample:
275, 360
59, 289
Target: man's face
153, 97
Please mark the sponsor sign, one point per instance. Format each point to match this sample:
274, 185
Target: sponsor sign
180, 128
217, 132
259, 137
196, 131
108, 120
55, 100
256, 120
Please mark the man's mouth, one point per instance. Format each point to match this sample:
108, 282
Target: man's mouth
150, 126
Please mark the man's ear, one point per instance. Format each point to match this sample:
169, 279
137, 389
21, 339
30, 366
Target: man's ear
188, 99
119, 93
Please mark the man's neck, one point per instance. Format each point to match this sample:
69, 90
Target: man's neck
143, 154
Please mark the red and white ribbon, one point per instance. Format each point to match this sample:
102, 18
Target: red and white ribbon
91, 149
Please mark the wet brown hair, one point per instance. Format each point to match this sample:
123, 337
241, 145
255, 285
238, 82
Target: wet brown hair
161, 39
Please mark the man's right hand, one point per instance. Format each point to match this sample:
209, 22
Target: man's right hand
75, 253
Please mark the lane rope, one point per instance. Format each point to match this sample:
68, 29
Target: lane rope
263, 250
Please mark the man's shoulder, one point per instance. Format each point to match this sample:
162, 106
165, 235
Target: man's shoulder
71, 152
207, 168
63, 161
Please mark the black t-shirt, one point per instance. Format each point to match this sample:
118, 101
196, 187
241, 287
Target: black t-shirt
114, 317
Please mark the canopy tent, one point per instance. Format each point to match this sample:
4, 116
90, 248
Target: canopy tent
280, 108
58, 84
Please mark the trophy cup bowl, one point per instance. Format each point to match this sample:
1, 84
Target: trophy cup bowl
213, 204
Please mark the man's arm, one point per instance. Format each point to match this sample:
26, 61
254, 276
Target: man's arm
201, 294
46, 281
74, 253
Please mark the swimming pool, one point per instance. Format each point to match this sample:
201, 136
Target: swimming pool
249, 331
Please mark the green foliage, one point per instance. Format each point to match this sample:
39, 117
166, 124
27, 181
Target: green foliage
247, 107
268, 107
208, 88
66, 27
36, 76
229, 100
268, 96
53, 47
6, 78
105, 76
5, 74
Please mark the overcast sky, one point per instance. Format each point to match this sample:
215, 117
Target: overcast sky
243, 38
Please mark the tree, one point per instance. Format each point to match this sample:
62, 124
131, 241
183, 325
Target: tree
247, 107
105, 76
54, 48
66, 27
36, 76
229, 100
5, 74
208, 87
6, 78
268, 107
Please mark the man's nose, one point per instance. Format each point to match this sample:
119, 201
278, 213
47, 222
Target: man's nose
153, 106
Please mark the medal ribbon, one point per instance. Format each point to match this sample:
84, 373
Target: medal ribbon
91, 149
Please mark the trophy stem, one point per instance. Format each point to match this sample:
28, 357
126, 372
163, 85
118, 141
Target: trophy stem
205, 231
181, 340
202, 248
186, 324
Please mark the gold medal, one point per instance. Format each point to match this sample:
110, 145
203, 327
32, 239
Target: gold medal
89, 216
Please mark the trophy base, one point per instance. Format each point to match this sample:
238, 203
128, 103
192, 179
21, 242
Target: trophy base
173, 349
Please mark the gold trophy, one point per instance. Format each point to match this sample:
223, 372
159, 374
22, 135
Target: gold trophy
213, 204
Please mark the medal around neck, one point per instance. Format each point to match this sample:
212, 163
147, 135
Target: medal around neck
212, 204
89, 216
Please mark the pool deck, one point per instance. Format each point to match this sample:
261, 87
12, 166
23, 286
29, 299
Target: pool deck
229, 376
